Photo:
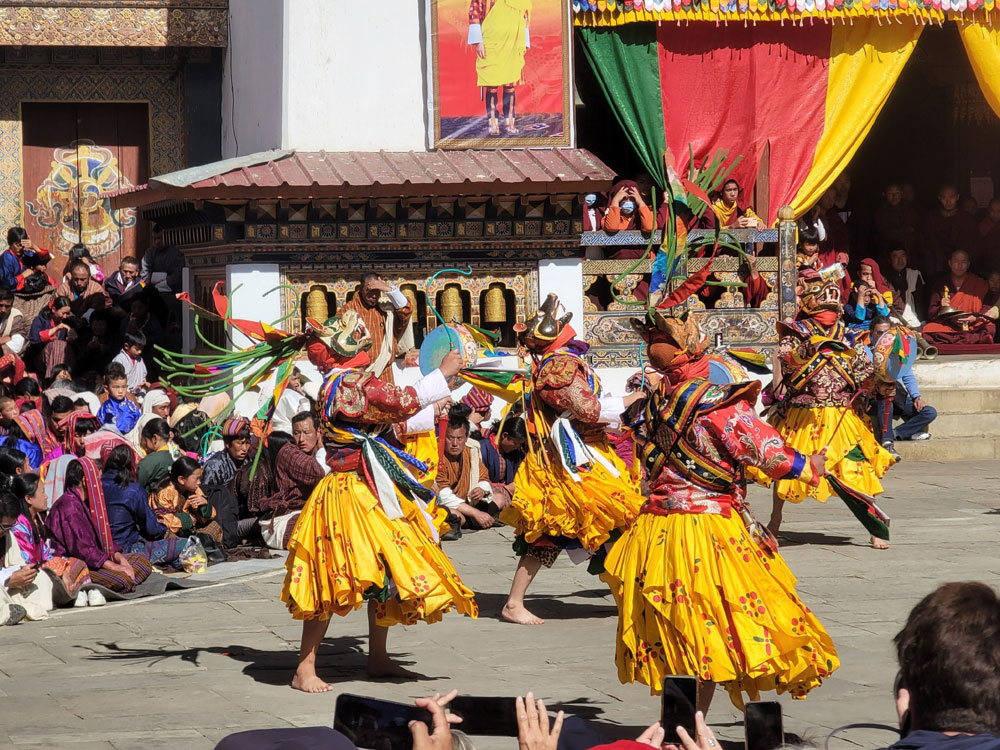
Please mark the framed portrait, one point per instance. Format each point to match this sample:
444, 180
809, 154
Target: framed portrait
500, 73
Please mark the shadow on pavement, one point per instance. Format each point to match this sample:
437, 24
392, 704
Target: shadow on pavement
546, 607
796, 538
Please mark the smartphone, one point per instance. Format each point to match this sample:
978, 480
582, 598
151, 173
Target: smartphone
485, 716
762, 725
376, 724
680, 695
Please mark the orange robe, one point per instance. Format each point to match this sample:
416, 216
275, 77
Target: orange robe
375, 319
969, 298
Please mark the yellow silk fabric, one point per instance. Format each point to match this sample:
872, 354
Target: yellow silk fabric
982, 45
865, 61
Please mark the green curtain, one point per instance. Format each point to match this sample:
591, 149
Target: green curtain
625, 60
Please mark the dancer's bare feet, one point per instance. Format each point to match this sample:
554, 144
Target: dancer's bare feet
879, 543
517, 614
382, 667
309, 682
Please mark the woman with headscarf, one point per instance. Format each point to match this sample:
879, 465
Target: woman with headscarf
35, 430
870, 297
76, 428
77, 525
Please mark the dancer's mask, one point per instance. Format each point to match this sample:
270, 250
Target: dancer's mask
816, 294
674, 344
346, 334
548, 326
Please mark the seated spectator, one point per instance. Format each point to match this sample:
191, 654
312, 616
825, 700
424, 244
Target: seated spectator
909, 292
119, 409
79, 252
895, 220
155, 441
255, 488
16, 448
907, 403
221, 466
124, 284
134, 526
77, 525
49, 337
992, 297
102, 344
945, 230
179, 503
731, 213
85, 294
189, 428
463, 483
21, 585
36, 550
627, 209
130, 358
27, 394
13, 463
77, 427
296, 475
14, 332
63, 373
51, 428
502, 455
948, 686
21, 260
8, 411
989, 231
480, 405
957, 313
593, 213
866, 300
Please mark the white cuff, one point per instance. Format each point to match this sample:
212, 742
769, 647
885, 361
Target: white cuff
475, 33
527, 37
611, 410
431, 387
422, 421
448, 499
6, 573
16, 343
487, 489
397, 298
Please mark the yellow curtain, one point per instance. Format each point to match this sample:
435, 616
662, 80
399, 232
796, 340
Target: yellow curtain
982, 45
865, 60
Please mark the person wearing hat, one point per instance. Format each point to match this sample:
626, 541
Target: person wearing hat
221, 466
367, 533
571, 491
699, 585
480, 405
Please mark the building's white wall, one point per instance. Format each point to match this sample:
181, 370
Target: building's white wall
253, 76
256, 296
564, 276
354, 77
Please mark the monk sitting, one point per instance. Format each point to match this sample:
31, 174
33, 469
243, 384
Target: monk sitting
958, 312
463, 483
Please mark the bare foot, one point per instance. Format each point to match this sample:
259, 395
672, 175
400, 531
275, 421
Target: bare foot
519, 615
879, 543
386, 668
310, 683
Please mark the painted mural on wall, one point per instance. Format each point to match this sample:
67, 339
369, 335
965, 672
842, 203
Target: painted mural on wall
501, 73
69, 200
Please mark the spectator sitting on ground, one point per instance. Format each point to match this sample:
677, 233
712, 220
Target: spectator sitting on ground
907, 403
181, 505
502, 455
85, 294
119, 409
55, 419
27, 393
14, 332
627, 209
8, 411
154, 439
130, 358
480, 405
948, 687
462, 481
969, 321
49, 337
237, 439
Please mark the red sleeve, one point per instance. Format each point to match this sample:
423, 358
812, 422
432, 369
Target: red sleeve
48, 334
388, 403
755, 443
319, 355
577, 398
757, 290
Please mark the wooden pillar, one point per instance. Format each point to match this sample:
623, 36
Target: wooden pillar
762, 187
787, 273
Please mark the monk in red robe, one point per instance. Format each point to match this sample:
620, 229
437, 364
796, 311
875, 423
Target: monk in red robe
946, 229
966, 293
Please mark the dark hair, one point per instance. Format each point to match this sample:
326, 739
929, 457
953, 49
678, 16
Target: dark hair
189, 430
11, 506
61, 404
157, 427
74, 474
27, 387
130, 260
368, 276
878, 320
81, 402
11, 459
276, 441
244, 434
24, 485
119, 460
808, 236
115, 372
75, 264
79, 251
15, 235
57, 371
949, 659
134, 337
727, 182
183, 467
57, 303
458, 416
306, 415
86, 426
6, 295
515, 429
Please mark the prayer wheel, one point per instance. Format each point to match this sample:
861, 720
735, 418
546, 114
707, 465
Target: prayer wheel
411, 295
316, 305
496, 306
451, 304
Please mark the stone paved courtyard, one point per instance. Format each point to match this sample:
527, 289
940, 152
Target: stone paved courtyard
187, 668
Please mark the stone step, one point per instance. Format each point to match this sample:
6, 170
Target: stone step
965, 425
950, 449
957, 400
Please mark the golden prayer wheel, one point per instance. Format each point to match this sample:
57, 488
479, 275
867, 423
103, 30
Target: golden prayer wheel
410, 292
496, 306
316, 305
451, 303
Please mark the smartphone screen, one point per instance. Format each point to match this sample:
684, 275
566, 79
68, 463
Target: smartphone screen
762, 726
491, 717
680, 694
376, 724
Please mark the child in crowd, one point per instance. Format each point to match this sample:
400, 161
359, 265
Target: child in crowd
130, 358
8, 410
181, 506
119, 409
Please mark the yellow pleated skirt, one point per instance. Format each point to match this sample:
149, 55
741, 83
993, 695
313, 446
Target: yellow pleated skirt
344, 550
547, 501
854, 455
696, 596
